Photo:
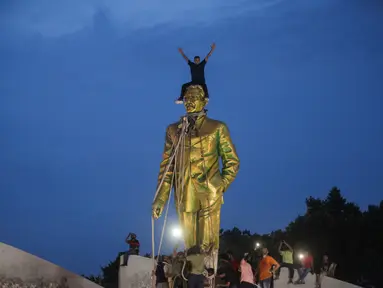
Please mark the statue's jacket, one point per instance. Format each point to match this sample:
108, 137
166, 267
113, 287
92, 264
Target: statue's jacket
195, 172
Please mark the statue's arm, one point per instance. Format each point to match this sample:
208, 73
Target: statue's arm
228, 153
164, 191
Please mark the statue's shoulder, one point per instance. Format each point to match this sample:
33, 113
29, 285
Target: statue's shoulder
172, 128
215, 123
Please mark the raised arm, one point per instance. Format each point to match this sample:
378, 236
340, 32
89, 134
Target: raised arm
211, 52
288, 246
183, 54
230, 160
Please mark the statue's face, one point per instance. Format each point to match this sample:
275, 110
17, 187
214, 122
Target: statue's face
194, 99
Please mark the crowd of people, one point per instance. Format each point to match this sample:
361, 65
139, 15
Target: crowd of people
256, 268
187, 269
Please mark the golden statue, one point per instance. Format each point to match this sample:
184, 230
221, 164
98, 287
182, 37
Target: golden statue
191, 165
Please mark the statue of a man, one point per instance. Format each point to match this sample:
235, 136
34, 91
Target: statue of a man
194, 171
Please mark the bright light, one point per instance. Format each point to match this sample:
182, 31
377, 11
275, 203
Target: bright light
257, 244
177, 232
301, 256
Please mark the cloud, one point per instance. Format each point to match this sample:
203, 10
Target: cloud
53, 18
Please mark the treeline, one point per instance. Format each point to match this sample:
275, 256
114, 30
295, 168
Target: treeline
352, 238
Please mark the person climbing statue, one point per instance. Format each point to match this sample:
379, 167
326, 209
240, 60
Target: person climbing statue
197, 70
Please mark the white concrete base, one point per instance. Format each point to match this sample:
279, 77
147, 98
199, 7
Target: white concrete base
309, 281
19, 266
137, 274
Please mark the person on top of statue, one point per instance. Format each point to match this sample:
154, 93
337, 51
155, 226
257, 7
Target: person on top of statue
197, 70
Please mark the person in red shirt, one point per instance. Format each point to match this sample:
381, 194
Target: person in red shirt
306, 267
233, 262
134, 244
134, 247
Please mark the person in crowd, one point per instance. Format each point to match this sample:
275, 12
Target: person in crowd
178, 260
266, 269
161, 279
226, 273
306, 267
196, 257
168, 270
134, 247
247, 275
286, 252
233, 261
323, 268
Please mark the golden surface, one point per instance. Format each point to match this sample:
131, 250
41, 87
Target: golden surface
195, 174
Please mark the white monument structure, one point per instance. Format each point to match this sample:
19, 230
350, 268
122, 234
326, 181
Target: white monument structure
21, 269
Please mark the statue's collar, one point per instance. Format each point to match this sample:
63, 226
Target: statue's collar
196, 119
197, 115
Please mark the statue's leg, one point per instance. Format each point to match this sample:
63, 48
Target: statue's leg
188, 221
209, 226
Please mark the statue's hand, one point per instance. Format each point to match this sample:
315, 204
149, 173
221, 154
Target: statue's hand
157, 209
221, 188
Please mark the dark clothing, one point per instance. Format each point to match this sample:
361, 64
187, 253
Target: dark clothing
127, 254
266, 283
196, 281
246, 285
134, 246
289, 266
302, 272
198, 78
197, 72
230, 275
321, 267
235, 265
160, 273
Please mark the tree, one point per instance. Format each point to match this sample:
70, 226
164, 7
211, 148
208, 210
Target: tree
352, 239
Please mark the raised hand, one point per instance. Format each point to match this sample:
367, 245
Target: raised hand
213, 46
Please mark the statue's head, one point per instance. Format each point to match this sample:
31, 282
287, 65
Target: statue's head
194, 99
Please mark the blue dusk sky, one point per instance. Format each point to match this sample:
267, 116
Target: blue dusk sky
87, 90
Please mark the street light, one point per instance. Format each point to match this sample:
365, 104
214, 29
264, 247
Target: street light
177, 232
257, 245
301, 256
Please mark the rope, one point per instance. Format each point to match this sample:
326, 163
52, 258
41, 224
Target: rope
185, 124
180, 182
